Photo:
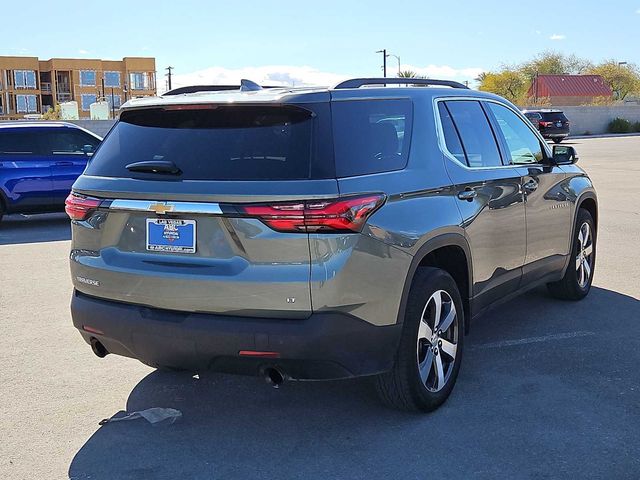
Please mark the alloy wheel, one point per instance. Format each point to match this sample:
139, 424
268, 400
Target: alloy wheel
584, 259
437, 341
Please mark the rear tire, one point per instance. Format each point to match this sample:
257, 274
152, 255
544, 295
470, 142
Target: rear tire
428, 359
576, 283
557, 140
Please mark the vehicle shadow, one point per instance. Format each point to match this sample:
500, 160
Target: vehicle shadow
52, 227
516, 407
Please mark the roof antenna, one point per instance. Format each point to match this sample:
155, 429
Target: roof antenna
249, 86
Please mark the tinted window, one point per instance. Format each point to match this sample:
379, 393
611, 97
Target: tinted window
65, 141
475, 132
523, 145
218, 143
371, 136
451, 138
19, 141
554, 117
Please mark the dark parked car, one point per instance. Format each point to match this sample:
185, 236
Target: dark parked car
318, 233
553, 124
39, 161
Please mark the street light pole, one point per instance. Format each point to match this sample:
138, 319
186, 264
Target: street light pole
398, 59
384, 61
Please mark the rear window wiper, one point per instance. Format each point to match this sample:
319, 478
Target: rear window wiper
165, 167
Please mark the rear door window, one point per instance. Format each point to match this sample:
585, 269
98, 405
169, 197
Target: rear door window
371, 136
212, 142
66, 141
478, 140
20, 141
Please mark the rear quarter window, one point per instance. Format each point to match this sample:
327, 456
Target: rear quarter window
371, 136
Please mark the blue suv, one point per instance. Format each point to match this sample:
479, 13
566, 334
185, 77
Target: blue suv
39, 162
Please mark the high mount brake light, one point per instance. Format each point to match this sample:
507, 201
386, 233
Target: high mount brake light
337, 215
197, 106
78, 207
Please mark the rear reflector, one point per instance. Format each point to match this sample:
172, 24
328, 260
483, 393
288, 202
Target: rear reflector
89, 329
78, 207
338, 215
254, 353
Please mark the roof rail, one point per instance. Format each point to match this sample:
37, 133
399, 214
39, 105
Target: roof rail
211, 88
199, 88
359, 82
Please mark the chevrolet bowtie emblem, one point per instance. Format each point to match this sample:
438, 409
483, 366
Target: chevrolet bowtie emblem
161, 208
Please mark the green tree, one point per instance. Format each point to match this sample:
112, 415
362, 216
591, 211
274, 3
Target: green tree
623, 79
53, 113
508, 83
554, 63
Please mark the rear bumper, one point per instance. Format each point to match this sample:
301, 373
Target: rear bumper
323, 346
555, 133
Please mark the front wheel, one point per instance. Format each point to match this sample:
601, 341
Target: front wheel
576, 283
430, 351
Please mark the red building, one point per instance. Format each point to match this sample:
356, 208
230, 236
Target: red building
570, 89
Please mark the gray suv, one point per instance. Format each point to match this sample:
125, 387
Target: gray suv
316, 233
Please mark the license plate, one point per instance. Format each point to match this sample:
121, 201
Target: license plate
171, 235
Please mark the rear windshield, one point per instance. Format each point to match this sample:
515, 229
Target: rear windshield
211, 143
371, 136
271, 142
554, 116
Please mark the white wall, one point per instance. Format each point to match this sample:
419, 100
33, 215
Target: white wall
596, 119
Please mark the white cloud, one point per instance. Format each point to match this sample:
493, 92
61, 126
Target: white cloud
83, 51
285, 75
290, 75
638, 11
445, 72
556, 36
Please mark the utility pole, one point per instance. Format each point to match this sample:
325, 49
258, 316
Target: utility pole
384, 61
168, 69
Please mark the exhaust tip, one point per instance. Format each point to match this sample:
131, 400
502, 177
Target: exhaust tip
98, 348
274, 377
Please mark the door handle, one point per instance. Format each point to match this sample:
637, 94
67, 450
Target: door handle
468, 195
531, 186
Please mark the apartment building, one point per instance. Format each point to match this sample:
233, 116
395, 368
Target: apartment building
31, 86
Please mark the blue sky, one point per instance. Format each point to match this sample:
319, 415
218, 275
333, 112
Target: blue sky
318, 42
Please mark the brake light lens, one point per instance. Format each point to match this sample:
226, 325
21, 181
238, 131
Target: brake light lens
339, 215
545, 124
78, 207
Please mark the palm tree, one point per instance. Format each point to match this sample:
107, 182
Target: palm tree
409, 74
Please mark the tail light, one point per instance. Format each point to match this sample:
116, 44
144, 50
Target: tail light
339, 215
545, 124
78, 207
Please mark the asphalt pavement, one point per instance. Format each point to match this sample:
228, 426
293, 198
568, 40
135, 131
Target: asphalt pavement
548, 389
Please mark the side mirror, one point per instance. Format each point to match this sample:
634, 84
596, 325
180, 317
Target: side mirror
88, 150
564, 155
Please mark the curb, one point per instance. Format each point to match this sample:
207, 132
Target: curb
605, 135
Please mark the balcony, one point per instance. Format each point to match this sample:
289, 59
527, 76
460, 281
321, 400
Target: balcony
45, 87
63, 97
